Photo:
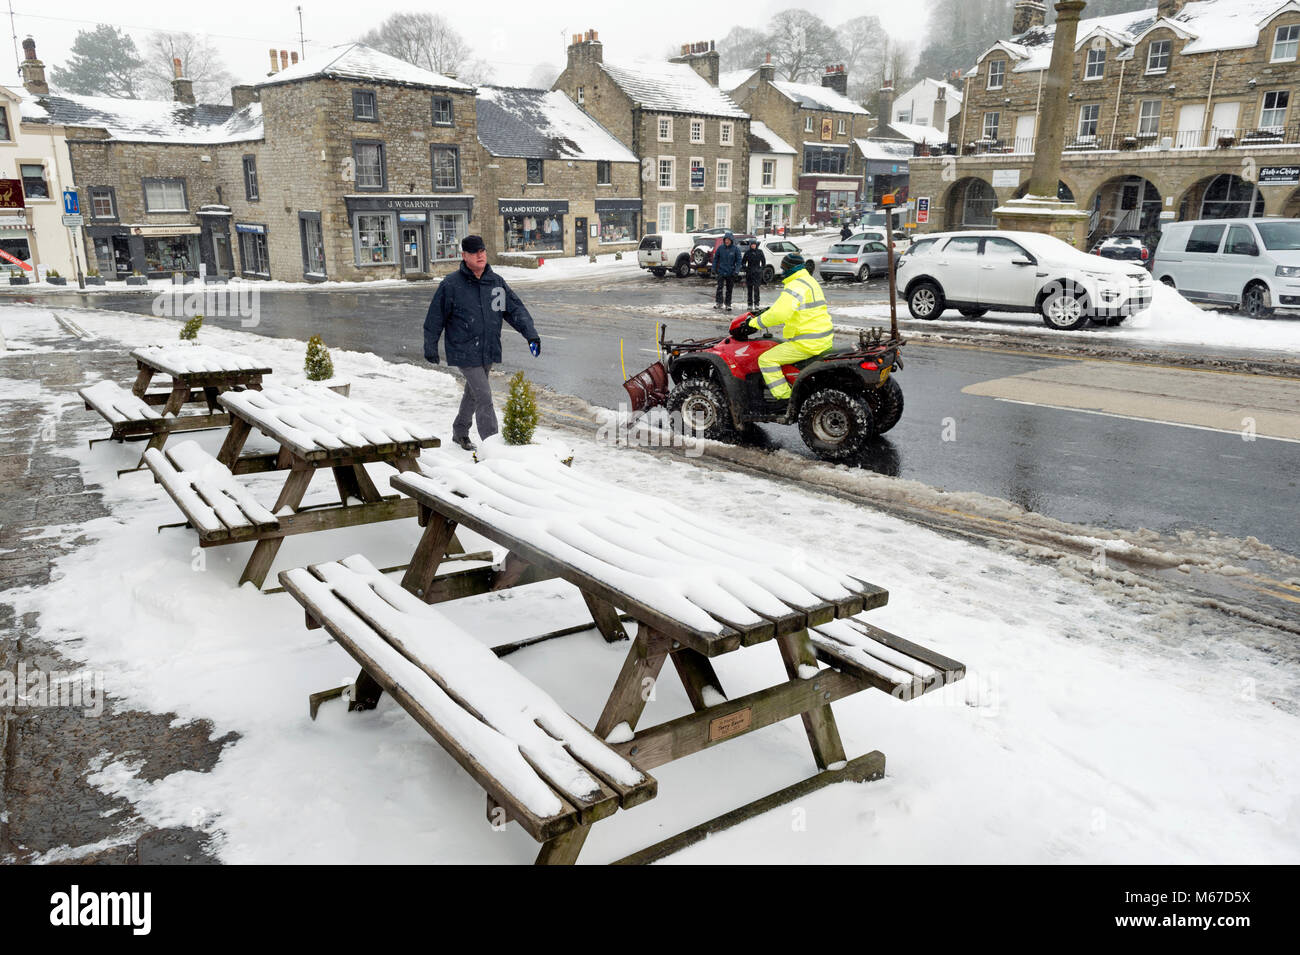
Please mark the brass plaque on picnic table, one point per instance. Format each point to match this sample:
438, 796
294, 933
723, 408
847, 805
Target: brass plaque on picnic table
731, 724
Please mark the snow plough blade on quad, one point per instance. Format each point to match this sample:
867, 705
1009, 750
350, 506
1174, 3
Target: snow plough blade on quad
649, 388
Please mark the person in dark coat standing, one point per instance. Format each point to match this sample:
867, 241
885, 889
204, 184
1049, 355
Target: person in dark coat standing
752, 264
845, 232
726, 266
469, 306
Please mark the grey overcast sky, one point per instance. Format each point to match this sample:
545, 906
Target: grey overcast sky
515, 35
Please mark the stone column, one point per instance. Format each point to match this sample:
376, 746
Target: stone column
1040, 210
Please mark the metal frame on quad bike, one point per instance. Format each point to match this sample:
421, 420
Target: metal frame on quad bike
840, 399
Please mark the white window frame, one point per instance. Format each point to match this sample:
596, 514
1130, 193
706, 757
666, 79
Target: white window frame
1293, 42
722, 220
671, 209
697, 131
726, 134
672, 172
769, 173
839, 128
997, 123
665, 127
1167, 46
807, 124
690, 168
1096, 121
1144, 116
161, 183
1096, 58
1000, 75
582, 95
392, 238
723, 184
1264, 109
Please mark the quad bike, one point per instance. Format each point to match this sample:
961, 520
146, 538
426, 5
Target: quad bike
840, 399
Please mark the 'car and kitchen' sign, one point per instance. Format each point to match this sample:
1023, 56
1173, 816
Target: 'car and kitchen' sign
533, 207
1279, 175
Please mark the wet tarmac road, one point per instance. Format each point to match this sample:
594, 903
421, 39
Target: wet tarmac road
1082, 468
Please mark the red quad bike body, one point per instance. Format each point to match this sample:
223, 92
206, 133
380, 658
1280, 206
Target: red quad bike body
840, 399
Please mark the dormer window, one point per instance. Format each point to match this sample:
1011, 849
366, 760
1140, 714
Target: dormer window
1095, 68
997, 74
1158, 56
1285, 42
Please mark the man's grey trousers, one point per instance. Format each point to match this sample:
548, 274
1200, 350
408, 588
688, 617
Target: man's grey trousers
476, 404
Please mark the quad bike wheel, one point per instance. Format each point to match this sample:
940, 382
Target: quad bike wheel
886, 405
835, 424
703, 409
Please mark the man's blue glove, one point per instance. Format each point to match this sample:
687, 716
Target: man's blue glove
535, 346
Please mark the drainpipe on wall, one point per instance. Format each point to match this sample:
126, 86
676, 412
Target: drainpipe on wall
1207, 123
965, 112
1038, 104
1118, 93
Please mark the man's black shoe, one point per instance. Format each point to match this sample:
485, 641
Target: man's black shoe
465, 443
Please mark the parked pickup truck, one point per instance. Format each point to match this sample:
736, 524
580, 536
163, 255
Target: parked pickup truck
664, 252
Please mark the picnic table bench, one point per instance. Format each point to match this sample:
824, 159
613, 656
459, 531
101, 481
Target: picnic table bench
199, 374
316, 429
696, 588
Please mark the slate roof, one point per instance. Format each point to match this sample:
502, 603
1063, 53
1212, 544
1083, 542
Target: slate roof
811, 96
763, 140
148, 121
356, 61
542, 124
671, 88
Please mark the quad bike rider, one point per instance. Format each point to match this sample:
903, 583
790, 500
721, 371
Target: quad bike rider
715, 387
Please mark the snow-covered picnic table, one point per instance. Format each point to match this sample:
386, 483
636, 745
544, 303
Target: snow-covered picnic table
697, 588
315, 428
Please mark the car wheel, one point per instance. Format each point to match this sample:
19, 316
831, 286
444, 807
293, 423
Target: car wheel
925, 301
702, 409
1064, 309
864, 273
886, 405
659, 273
683, 267
1256, 301
973, 312
835, 424
769, 274
1167, 280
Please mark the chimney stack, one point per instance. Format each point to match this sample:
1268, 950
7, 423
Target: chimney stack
284, 59
241, 96
1028, 14
586, 50
293, 58
275, 64
182, 89
767, 71
703, 58
885, 102
33, 70
1169, 8
835, 78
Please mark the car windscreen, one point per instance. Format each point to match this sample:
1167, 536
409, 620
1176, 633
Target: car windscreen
843, 248
1280, 236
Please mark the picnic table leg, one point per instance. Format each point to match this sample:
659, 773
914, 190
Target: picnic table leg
180, 393
697, 673
564, 849
142, 379
606, 618
429, 553
210, 395
353, 481
234, 443
259, 563
635, 683
818, 722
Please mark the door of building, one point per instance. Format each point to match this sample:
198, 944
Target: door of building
221, 254
412, 249
579, 236
691, 213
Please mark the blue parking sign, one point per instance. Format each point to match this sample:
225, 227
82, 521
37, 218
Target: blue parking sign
71, 205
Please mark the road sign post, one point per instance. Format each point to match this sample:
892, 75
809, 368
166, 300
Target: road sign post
887, 201
71, 203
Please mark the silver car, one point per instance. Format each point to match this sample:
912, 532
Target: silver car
855, 260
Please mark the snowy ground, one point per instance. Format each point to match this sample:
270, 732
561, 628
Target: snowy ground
1091, 727
1171, 320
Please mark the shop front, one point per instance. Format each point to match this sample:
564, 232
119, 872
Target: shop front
533, 225
155, 250
618, 220
15, 246
833, 198
768, 214
407, 233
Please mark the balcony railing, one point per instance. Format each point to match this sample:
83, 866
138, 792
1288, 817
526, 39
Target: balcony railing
1215, 138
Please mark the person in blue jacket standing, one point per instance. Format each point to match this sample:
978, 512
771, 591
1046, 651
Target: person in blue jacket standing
469, 307
726, 266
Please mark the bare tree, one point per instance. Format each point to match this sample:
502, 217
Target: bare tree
743, 48
802, 45
430, 41
543, 76
200, 62
864, 41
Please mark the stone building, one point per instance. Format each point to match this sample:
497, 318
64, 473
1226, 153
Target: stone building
821, 122
553, 181
691, 138
1180, 111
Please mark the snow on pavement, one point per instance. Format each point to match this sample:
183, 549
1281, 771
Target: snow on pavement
1091, 727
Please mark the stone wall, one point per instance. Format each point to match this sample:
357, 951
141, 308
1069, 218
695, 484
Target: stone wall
682, 150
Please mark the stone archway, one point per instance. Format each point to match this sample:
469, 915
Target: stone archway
1126, 204
970, 205
1225, 196
1292, 208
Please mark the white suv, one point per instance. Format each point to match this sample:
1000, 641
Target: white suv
975, 272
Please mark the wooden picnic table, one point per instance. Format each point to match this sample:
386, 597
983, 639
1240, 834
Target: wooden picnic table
315, 429
199, 373
696, 587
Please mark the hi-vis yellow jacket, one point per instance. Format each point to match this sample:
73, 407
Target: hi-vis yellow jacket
799, 311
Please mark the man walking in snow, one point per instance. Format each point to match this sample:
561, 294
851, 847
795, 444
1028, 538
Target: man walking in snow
726, 266
752, 264
469, 306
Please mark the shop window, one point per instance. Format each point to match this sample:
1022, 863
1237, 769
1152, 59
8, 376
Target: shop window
250, 178
369, 159
534, 172
604, 173
34, 184
254, 256
534, 233
171, 253
618, 226
103, 203
374, 238
313, 244
446, 231
446, 168
442, 115
165, 195
19, 249
363, 106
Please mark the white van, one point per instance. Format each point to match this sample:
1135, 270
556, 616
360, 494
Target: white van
1251, 264
664, 252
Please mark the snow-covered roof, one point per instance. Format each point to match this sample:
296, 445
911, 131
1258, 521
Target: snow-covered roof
763, 140
356, 61
888, 150
953, 93
149, 121
542, 124
811, 96
670, 88
734, 79
919, 134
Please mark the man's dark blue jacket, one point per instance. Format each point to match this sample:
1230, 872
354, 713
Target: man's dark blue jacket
726, 260
470, 311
